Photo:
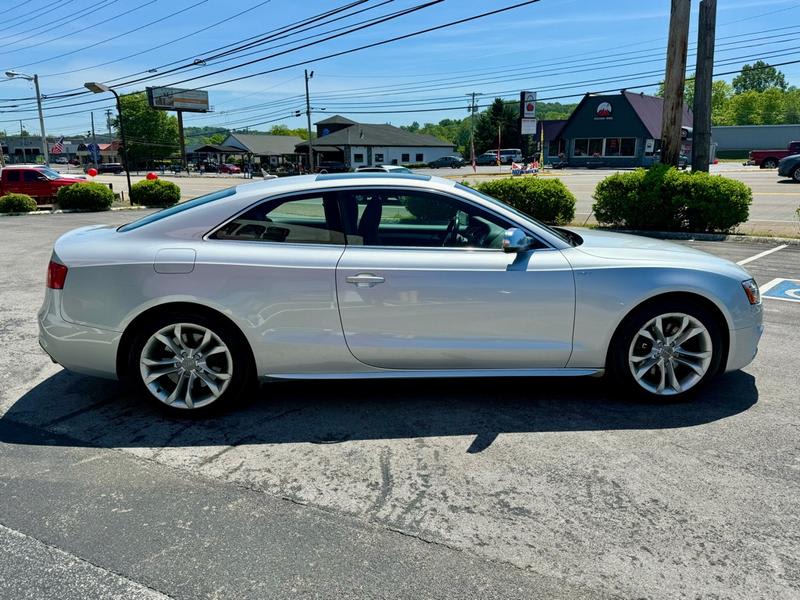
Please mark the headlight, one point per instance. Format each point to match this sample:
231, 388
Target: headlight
751, 289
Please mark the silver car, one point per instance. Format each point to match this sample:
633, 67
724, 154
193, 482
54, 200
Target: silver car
348, 276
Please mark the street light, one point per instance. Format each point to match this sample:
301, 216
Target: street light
99, 88
35, 79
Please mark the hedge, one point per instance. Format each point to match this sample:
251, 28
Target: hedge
155, 193
665, 199
87, 195
547, 200
17, 203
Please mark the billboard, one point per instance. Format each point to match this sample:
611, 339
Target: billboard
527, 105
169, 98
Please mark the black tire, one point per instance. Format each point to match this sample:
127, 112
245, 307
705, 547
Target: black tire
769, 163
619, 369
796, 174
241, 378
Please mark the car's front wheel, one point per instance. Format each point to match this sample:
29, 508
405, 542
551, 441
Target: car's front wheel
189, 363
666, 350
796, 174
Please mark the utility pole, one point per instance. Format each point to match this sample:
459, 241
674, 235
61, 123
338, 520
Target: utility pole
674, 81
308, 123
108, 125
472, 110
95, 149
704, 72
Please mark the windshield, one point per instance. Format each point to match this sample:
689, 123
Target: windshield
178, 208
559, 234
50, 173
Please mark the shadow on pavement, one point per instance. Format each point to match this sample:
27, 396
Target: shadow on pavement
82, 411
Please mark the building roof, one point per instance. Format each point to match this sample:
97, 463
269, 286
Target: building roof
336, 120
215, 149
552, 128
365, 134
262, 144
650, 109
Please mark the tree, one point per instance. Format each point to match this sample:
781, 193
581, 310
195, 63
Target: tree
502, 115
721, 92
758, 77
213, 140
282, 129
150, 134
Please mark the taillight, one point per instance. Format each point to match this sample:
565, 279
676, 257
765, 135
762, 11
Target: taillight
56, 275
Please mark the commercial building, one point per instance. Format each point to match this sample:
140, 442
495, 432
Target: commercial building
616, 130
366, 144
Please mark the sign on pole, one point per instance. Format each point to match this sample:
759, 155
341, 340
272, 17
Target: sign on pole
169, 98
528, 127
527, 105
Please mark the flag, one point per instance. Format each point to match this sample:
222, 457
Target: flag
58, 147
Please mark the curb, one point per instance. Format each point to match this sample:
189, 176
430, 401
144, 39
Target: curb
76, 210
706, 237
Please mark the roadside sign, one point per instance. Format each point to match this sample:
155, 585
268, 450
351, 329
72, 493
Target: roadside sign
782, 289
527, 105
169, 98
528, 127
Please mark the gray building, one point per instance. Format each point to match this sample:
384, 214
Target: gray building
265, 149
366, 144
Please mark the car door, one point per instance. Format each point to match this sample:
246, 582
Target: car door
274, 266
36, 183
424, 284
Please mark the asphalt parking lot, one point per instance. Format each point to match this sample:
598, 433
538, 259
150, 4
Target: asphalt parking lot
477, 489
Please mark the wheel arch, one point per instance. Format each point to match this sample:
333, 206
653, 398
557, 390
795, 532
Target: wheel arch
153, 312
703, 301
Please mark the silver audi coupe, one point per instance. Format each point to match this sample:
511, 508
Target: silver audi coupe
348, 276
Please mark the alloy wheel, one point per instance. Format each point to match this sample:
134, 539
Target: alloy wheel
185, 365
670, 354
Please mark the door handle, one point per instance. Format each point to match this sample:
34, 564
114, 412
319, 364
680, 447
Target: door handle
365, 279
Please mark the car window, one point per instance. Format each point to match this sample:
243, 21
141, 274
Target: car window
412, 218
305, 219
32, 175
178, 208
12, 175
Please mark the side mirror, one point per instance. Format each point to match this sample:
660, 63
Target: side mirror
515, 240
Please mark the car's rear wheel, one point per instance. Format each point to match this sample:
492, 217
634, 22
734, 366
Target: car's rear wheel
189, 363
666, 350
769, 163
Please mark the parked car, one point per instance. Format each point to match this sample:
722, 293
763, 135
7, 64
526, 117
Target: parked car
332, 166
384, 169
61, 160
37, 181
790, 167
487, 158
348, 277
447, 161
768, 159
229, 168
115, 168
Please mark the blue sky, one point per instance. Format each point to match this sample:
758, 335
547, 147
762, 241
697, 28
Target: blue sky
558, 47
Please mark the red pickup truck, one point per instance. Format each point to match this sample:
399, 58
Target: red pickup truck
768, 159
39, 182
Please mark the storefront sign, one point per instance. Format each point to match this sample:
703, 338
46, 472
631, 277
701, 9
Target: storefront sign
603, 112
528, 126
528, 105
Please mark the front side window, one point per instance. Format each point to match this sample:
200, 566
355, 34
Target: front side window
33, 176
306, 219
419, 219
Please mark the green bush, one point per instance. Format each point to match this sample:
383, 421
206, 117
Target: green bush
155, 193
17, 203
547, 200
663, 198
87, 195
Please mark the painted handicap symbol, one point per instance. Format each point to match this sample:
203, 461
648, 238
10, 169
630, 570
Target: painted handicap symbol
782, 289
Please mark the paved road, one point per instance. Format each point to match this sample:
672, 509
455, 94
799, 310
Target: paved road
772, 213
490, 489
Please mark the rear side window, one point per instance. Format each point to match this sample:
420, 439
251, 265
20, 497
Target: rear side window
178, 208
12, 175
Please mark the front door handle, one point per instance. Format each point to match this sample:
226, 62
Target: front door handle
365, 279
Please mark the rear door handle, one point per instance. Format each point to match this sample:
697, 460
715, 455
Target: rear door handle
365, 279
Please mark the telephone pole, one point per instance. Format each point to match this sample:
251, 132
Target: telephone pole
108, 124
472, 110
704, 72
308, 123
675, 78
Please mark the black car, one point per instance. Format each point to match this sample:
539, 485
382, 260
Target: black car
487, 158
790, 167
447, 161
331, 166
115, 168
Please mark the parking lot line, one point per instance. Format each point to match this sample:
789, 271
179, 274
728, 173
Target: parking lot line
744, 261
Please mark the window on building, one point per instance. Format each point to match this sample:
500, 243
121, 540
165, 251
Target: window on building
405, 158
581, 147
379, 157
420, 157
627, 147
612, 147
358, 157
595, 147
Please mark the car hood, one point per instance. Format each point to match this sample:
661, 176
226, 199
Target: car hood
634, 250
71, 178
